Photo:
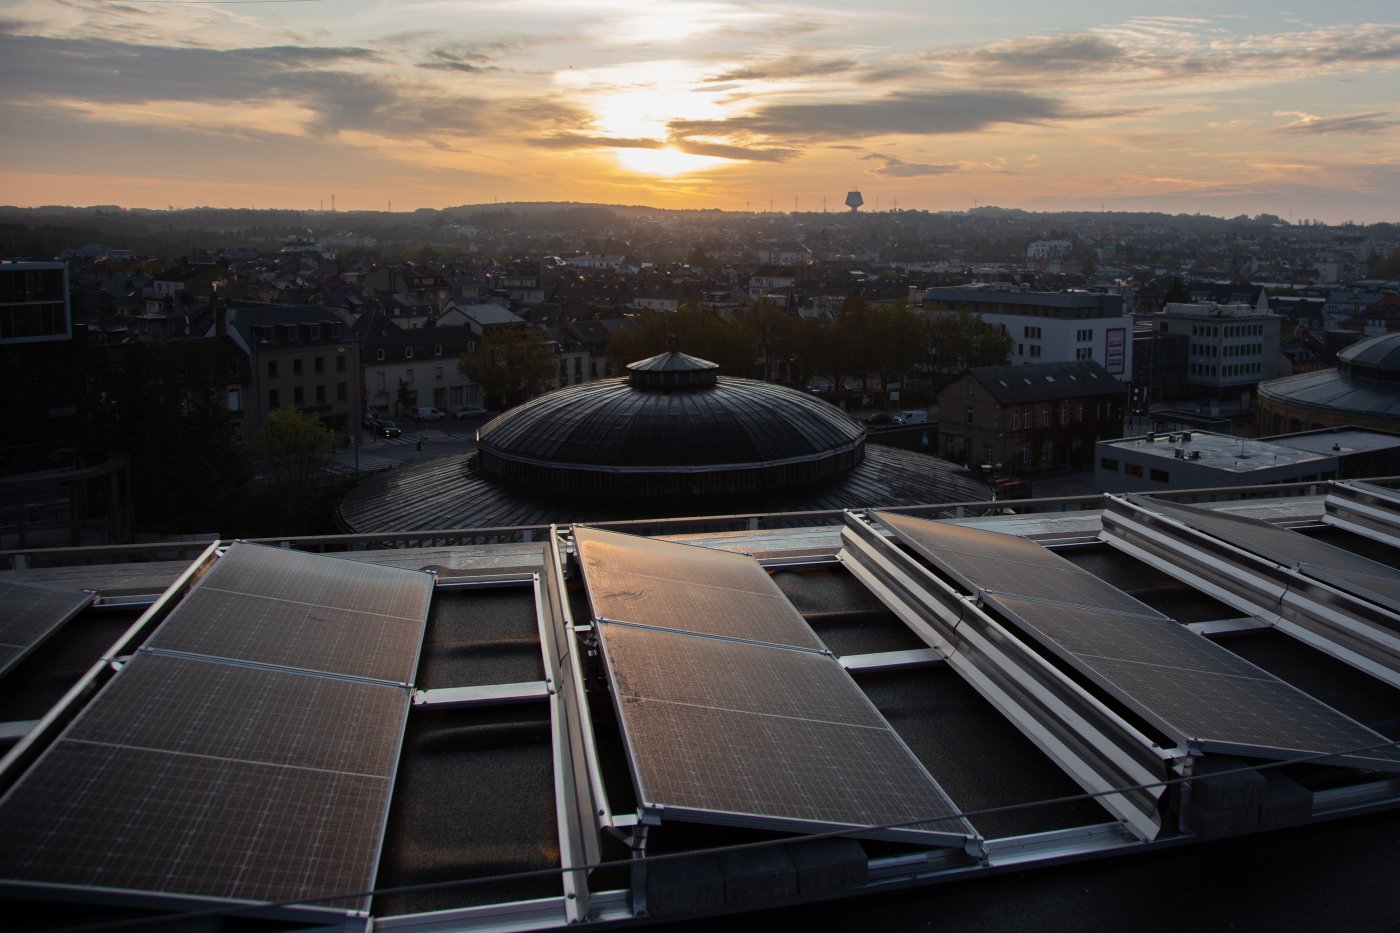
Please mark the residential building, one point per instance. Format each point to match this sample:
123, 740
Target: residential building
1029, 419
1233, 346
1049, 327
300, 356
423, 361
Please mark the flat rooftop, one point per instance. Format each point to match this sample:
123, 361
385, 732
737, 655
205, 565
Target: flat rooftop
587, 726
1219, 451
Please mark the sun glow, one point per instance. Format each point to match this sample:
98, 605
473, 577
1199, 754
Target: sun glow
667, 161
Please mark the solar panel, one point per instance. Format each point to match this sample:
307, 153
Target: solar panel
291, 609
721, 729
1280, 545
1007, 563
1193, 689
686, 588
1189, 687
195, 777
30, 613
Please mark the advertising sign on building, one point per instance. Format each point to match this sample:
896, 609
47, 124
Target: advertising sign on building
1115, 339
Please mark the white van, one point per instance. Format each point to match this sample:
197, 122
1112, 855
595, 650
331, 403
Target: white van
917, 416
428, 413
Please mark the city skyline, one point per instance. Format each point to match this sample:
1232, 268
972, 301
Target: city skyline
707, 104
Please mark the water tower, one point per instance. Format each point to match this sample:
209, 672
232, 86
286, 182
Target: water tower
854, 200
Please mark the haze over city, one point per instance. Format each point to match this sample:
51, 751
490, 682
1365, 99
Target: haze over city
712, 104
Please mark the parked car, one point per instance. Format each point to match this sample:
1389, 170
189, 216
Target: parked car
472, 412
387, 429
883, 419
428, 413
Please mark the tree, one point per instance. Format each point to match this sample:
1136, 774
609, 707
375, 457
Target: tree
290, 447
1389, 267
188, 471
956, 340
1176, 293
690, 329
511, 364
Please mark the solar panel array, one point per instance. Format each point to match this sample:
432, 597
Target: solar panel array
1191, 688
292, 609
729, 705
687, 588
1350, 572
30, 613
246, 765
726, 727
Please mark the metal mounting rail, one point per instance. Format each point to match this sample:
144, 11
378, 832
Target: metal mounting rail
1364, 509
1352, 630
1093, 745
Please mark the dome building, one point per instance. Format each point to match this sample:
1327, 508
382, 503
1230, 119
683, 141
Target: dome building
672, 438
1363, 390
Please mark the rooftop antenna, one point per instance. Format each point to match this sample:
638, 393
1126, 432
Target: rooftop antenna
332, 202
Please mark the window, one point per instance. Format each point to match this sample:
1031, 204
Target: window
296, 366
274, 401
408, 353
1132, 469
1079, 413
968, 414
340, 393
1159, 476
1064, 413
437, 373
272, 369
1108, 463
319, 365
340, 362
320, 395
437, 349
379, 354
1045, 417
986, 453
1035, 349
1084, 353
235, 400
298, 396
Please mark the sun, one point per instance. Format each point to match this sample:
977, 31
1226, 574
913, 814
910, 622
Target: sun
667, 161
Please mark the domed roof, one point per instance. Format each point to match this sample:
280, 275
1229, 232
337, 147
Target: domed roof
674, 417
1377, 357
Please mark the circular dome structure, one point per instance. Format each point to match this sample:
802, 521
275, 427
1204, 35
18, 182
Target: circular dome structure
672, 427
1362, 391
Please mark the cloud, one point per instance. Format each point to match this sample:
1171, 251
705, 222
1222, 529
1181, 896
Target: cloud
1048, 55
745, 153
717, 150
910, 114
583, 141
795, 66
472, 57
892, 167
1361, 123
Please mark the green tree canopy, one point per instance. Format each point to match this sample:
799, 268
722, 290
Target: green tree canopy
689, 329
291, 449
955, 340
511, 364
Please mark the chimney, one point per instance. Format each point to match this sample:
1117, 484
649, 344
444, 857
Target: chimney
220, 315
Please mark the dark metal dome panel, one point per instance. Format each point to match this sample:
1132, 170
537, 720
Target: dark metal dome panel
734, 424
1378, 356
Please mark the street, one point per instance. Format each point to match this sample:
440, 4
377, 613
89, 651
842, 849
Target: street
384, 453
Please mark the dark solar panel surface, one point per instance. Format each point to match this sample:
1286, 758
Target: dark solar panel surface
686, 588
29, 614
1190, 687
1009, 564
735, 728
292, 609
199, 777
1279, 545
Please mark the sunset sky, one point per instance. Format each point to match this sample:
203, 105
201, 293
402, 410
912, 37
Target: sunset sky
1220, 108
